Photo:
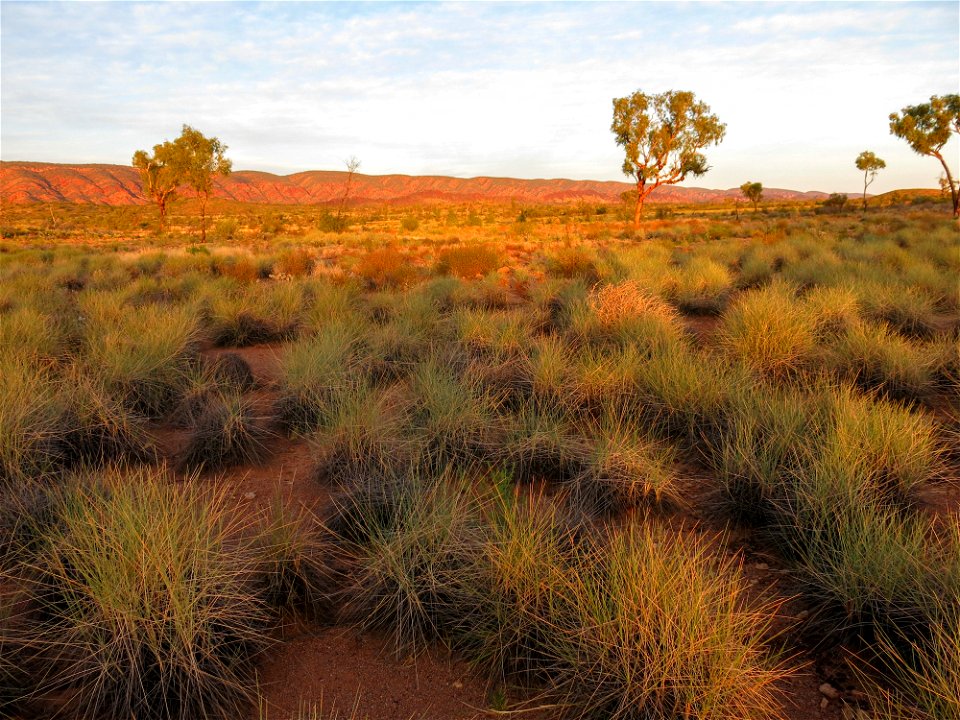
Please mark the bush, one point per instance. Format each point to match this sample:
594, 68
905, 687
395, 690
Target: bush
386, 267
468, 261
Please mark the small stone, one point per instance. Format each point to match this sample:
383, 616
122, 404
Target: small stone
824, 703
249, 495
762, 566
829, 691
457, 685
803, 615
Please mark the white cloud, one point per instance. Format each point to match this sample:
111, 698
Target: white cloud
468, 89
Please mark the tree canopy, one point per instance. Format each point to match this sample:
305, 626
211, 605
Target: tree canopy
662, 136
870, 164
191, 160
161, 174
752, 191
927, 128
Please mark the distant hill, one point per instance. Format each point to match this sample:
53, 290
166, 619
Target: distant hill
27, 182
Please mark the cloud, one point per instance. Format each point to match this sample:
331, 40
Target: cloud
472, 88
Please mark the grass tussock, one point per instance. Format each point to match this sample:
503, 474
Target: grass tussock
412, 561
660, 628
767, 331
142, 603
230, 430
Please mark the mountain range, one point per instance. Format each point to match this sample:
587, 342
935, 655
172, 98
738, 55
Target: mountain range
29, 182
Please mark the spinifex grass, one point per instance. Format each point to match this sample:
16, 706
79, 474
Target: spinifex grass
873, 357
661, 629
145, 368
142, 601
292, 563
527, 549
365, 438
30, 419
229, 431
314, 371
627, 468
413, 560
769, 331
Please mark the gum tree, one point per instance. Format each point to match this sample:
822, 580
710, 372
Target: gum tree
662, 136
927, 128
752, 191
161, 174
870, 164
203, 158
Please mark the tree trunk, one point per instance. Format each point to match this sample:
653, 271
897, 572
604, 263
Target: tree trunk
162, 202
865, 184
203, 216
638, 209
954, 190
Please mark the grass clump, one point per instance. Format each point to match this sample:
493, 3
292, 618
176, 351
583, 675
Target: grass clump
365, 439
701, 286
873, 357
145, 369
229, 431
412, 562
662, 629
527, 549
292, 564
30, 420
765, 330
314, 371
142, 603
627, 469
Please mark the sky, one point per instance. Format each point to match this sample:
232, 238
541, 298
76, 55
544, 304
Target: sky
469, 89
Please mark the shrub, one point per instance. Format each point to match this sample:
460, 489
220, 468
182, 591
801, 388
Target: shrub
386, 267
468, 261
143, 603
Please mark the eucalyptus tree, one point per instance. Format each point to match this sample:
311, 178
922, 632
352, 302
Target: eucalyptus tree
662, 136
927, 128
870, 164
203, 159
189, 161
752, 191
161, 174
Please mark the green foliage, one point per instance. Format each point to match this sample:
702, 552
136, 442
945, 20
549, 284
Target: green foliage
926, 128
870, 165
752, 191
662, 136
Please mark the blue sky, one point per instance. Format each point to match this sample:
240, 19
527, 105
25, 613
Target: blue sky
503, 89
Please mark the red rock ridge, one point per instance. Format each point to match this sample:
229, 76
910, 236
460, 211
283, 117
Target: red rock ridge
27, 182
